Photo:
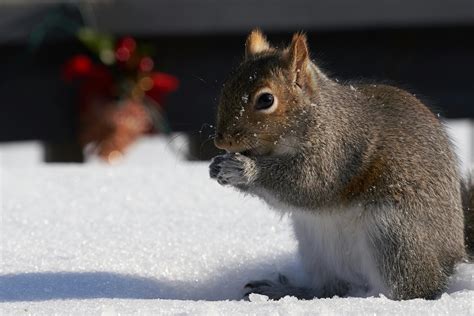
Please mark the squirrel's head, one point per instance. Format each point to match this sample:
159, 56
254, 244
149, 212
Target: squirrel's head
262, 98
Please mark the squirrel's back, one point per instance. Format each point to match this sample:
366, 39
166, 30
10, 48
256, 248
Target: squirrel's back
398, 154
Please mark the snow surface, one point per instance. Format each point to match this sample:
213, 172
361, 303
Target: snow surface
155, 235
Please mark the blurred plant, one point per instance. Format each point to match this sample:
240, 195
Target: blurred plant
120, 95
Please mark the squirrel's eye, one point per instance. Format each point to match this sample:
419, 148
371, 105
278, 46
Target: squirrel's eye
264, 101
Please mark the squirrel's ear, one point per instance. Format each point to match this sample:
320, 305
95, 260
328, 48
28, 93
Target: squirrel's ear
256, 43
298, 57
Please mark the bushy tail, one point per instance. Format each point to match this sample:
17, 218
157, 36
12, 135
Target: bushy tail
468, 206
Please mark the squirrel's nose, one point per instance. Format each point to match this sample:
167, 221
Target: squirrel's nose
219, 139
220, 142
227, 143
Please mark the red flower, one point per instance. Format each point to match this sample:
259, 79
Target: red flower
146, 64
77, 66
125, 48
128, 43
163, 84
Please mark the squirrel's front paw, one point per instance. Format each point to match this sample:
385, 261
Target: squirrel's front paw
233, 169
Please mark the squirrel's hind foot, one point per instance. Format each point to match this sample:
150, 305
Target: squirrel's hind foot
276, 290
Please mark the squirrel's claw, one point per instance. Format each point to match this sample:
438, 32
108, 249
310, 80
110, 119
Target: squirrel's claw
215, 166
214, 170
274, 290
255, 284
256, 287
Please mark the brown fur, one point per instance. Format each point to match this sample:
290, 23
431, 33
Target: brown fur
362, 183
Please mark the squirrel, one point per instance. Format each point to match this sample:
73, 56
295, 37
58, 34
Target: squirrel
365, 172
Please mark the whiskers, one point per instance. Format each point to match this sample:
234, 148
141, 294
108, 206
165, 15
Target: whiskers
186, 144
254, 141
212, 85
205, 142
206, 125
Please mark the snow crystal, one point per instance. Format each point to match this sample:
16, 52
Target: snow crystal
245, 98
257, 298
241, 111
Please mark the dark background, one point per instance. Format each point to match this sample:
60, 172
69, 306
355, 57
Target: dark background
426, 47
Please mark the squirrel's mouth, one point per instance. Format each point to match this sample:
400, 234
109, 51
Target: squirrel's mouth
247, 152
240, 146
254, 151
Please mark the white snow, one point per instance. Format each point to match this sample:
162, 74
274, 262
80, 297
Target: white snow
155, 235
20, 153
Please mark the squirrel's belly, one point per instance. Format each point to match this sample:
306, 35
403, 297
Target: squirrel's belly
335, 249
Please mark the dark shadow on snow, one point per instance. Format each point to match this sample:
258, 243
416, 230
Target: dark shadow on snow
223, 285
41, 286
75, 285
